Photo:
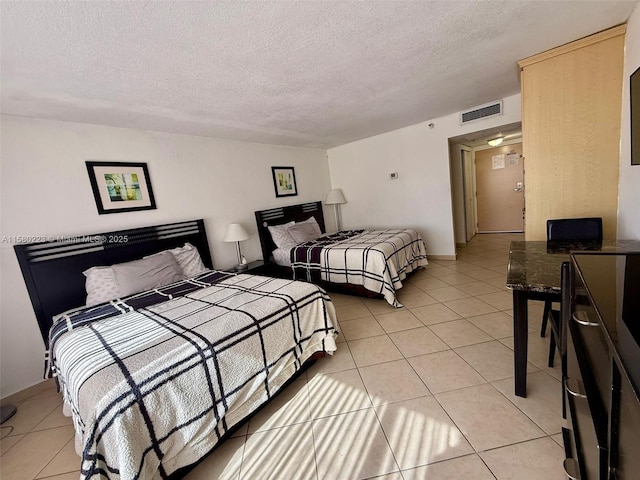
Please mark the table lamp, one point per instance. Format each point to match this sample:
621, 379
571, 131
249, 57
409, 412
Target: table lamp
237, 233
336, 198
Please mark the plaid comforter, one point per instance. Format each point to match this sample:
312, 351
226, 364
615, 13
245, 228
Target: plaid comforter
155, 380
378, 260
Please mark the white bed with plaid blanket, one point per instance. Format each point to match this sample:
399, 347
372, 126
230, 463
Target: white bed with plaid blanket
378, 260
153, 389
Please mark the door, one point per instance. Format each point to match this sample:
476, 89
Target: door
469, 194
500, 189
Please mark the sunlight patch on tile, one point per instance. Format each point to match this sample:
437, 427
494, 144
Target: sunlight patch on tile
352, 446
475, 410
337, 393
289, 407
222, 464
282, 453
420, 432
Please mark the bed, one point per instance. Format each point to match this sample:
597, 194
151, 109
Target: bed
362, 262
156, 379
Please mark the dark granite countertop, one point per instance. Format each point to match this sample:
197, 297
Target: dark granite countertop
535, 265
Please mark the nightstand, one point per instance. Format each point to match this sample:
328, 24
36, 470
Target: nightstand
257, 267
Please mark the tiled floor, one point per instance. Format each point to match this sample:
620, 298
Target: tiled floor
424, 392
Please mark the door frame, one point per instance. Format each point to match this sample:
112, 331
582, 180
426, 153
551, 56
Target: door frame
468, 166
471, 141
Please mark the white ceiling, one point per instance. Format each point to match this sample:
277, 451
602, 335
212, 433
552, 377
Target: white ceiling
306, 73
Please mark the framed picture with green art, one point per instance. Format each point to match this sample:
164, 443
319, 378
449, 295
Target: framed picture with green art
284, 181
121, 186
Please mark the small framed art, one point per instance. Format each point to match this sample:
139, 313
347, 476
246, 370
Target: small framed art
121, 186
284, 181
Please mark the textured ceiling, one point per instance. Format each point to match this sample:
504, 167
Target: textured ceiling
307, 73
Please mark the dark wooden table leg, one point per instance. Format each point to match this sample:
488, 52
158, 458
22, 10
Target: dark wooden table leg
520, 338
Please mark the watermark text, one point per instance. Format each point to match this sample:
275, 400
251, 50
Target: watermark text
18, 239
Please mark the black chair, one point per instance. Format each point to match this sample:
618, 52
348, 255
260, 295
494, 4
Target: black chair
569, 231
575, 230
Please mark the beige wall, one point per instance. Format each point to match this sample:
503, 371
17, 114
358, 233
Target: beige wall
45, 191
421, 197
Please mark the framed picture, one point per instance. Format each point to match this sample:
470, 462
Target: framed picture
634, 82
284, 181
121, 186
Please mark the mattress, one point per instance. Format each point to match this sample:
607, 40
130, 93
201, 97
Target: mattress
282, 256
378, 260
153, 382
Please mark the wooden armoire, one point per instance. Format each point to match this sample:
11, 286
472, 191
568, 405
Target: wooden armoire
571, 117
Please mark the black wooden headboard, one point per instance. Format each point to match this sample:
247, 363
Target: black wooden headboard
280, 215
53, 270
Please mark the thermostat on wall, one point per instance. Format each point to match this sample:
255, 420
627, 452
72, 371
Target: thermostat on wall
393, 175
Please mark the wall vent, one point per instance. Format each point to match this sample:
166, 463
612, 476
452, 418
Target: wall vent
483, 111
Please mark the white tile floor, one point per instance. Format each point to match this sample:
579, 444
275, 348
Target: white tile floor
425, 392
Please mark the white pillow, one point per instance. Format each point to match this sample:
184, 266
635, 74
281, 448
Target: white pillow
314, 224
281, 236
100, 285
148, 273
189, 260
304, 232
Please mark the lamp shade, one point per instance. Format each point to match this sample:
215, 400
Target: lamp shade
494, 142
235, 233
335, 197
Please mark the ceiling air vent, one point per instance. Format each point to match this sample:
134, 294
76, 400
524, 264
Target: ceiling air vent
483, 111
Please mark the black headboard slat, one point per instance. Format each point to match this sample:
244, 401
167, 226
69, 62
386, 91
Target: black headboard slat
52, 270
280, 215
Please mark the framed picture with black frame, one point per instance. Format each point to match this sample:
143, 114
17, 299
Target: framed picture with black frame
634, 83
284, 181
121, 186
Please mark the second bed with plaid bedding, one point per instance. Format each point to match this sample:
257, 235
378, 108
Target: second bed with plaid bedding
378, 260
155, 380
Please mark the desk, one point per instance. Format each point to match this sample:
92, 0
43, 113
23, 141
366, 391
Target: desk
534, 274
